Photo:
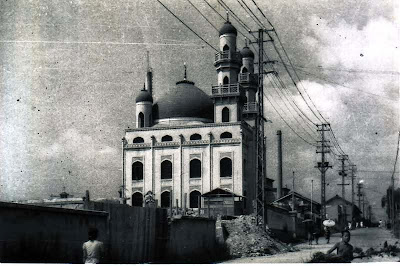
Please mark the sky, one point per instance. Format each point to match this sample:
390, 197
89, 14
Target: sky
70, 72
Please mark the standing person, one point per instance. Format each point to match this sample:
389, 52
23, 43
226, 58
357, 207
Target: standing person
310, 231
316, 233
327, 234
93, 250
344, 249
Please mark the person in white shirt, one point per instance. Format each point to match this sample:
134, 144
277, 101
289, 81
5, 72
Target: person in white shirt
93, 250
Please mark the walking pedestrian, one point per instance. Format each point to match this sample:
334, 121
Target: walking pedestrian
316, 233
93, 250
327, 234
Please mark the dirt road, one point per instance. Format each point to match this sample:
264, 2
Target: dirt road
363, 238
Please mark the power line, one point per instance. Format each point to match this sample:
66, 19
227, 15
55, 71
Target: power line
203, 15
368, 71
287, 122
336, 143
294, 102
187, 26
234, 17
233, 13
254, 17
336, 83
287, 56
287, 107
397, 154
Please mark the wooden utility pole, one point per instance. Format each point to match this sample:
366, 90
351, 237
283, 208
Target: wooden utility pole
293, 200
323, 166
392, 205
343, 173
359, 195
312, 188
353, 171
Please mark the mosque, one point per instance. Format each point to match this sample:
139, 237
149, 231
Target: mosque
194, 150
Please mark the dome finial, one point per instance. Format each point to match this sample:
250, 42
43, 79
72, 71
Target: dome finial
185, 76
245, 42
227, 16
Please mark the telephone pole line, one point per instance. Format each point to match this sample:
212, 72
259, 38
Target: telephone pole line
323, 166
260, 211
343, 173
359, 195
353, 171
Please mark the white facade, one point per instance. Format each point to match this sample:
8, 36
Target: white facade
182, 151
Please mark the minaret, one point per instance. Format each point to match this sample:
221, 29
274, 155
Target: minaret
144, 101
149, 76
227, 95
249, 81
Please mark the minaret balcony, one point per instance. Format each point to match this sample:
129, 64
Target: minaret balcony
227, 56
248, 78
251, 107
226, 90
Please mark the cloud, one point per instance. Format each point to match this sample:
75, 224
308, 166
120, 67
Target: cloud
74, 144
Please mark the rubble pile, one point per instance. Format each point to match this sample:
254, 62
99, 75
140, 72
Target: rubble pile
245, 239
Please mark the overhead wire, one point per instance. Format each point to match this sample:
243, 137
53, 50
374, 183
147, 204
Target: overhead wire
202, 15
336, 83
273, 106
339, 149
274, 85
287, 70
251, 14
290, 62
186, 25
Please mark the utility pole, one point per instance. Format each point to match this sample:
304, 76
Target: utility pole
363, 201
260, 143
342, 172
353, 171
323, 148
312, 188
293, 208
359, 195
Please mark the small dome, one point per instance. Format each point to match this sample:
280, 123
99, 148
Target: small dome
246, 52
184, 100
144, 96
227, 28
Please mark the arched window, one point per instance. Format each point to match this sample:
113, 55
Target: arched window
138, 140
195, 200
244, 70
226, 135
195, 137
225, 81
137, 171
137, 199
165, 199
166, 138
141, 120
225, 48
225, 167
225, 114
166, 170
195, 168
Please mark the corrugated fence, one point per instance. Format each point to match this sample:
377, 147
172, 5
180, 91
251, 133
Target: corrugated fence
131, 234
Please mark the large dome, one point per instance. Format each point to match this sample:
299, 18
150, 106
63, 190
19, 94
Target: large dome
184, 101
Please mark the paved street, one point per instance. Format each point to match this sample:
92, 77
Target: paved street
363, 238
